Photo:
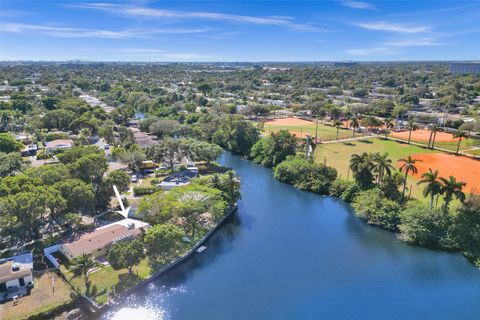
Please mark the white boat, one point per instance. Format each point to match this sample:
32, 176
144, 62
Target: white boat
201, 249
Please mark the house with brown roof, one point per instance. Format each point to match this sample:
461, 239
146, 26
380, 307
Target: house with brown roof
15, 275
101, 239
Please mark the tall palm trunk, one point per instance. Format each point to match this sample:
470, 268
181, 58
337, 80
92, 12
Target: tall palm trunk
432, 196
433, 140
458, 145
430, 139
409, 136
405, 184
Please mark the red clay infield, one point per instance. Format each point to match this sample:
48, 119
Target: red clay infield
464, 169
424, 135
288, 122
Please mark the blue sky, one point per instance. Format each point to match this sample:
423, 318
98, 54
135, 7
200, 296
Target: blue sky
143, 30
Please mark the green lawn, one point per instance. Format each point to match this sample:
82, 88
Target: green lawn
338, 155
474, 152
103, 279
325, 132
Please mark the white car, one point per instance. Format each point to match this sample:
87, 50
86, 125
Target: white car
106, 146
134, 178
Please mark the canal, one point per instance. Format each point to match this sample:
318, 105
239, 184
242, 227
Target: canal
288, 254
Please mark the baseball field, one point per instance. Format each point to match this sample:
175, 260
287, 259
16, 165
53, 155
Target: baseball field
464, 169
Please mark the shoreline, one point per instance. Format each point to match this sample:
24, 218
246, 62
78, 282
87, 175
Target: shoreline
100, 310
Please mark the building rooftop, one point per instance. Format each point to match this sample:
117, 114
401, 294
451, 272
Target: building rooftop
16, 267
59, 143
105, 236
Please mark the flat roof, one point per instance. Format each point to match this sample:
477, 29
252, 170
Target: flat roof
22, 263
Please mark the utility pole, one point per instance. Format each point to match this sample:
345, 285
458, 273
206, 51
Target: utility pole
316, 131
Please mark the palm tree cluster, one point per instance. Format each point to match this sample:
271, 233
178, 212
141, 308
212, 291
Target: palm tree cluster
435, 186
370, 166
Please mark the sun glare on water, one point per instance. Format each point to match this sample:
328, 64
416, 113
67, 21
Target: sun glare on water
139, 313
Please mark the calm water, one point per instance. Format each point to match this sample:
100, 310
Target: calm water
288, 254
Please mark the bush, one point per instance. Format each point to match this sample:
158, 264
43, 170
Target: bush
141, 191
338, 187
466, 228
351, 192
273, 149
305, 174
424, 226
374, 208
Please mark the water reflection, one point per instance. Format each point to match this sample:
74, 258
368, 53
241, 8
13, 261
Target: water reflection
288, 254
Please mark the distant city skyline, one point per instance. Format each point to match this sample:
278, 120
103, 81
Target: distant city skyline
251, 31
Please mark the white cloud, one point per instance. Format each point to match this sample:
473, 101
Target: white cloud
67, 32
357, 4
414, 43
392, 47
145, 12
393, 27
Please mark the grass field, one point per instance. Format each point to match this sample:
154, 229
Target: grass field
301, 127
103, 279
41, 298
338, 155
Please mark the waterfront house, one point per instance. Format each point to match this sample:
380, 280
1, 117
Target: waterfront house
98, 242
15, 275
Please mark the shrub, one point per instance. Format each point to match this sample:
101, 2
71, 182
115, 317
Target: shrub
351, 192
338, 187
141, 191
273, 149
374, 208
424, 226
305, 174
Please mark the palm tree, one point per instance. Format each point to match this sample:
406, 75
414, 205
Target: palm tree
381, 164
359, 162
389, 124
354, 123
361, 166
231, 185
337, 123
460, 134
411, 126
408, 166
215, 181
451, 187
433, 185
433, 134
80, 267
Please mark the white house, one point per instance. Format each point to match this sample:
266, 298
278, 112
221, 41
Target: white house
15, 275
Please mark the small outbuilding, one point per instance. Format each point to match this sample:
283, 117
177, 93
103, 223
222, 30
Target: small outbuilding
15, 275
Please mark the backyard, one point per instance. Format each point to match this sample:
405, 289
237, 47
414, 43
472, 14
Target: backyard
105, 277
42, 298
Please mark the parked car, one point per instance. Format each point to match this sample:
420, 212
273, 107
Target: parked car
134, 178
106, 146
